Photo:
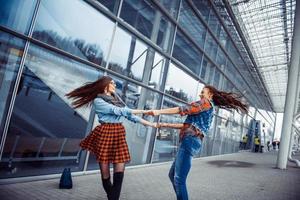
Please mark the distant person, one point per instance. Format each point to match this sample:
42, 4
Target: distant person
278, 143
274, 145
268, 145
244, 141
193, 130
256, 143
107, 141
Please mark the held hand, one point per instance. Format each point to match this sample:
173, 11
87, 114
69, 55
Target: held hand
154, 125
152, 112
148, 112
159, 125
155, 112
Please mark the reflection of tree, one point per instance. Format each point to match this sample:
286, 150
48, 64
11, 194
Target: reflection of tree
118, 68
179, 95
79, 47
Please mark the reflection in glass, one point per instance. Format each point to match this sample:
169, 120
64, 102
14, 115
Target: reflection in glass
214, 23
186, 92
82, 35
17, 14
190, 22
157, 71
217, 76
211, 47
209, 76
167, 139
204, 7
223, 37
128, 55
203, 68
45, 131
186, 53
171, 6
11, 50
221, 59
147, 19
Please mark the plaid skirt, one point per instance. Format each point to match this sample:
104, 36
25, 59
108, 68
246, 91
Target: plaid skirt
108, 142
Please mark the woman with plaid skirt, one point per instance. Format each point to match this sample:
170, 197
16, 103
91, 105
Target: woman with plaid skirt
107, 141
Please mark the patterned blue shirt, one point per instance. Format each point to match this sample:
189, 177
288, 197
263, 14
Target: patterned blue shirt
200, 114
109, 113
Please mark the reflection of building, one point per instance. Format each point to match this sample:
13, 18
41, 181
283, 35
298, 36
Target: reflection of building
152, 66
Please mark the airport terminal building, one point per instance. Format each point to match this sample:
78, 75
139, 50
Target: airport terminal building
159, 52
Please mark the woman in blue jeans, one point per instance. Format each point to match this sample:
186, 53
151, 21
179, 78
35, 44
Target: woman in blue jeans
195, 127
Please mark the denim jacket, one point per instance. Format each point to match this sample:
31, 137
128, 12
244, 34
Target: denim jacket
109, 113
200, 114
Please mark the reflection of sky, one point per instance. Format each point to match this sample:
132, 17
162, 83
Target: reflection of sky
65, 18
177, 79
121, 49
138, 67
157, 71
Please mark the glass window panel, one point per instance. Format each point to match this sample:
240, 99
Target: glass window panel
167, 140
165, 34
217, 76
157, 71
220, 133
211, 47
221, 59
204, 7
209, 76
128, 55
147, 19
231, 72
174, 86
171, 6
190, 22
17, 14
223, 37
251, 111
214, 23
82, 35
203, 68
11, 50
111, 5
186, 53
44, 128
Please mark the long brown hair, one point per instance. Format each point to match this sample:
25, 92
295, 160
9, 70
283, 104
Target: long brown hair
88, 92
227, 100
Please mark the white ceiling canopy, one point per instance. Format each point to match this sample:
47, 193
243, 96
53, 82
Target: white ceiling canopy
268, 28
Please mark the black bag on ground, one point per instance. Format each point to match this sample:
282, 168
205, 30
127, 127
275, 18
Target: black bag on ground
66, 179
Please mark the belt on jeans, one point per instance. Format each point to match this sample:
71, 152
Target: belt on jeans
196, 132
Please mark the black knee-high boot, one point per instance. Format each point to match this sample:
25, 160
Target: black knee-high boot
117, 185
107, 187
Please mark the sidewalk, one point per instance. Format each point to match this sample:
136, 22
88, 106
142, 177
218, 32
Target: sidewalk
240, 176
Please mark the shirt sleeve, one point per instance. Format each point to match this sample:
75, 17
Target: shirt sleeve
102, 106
195, 107
134, 118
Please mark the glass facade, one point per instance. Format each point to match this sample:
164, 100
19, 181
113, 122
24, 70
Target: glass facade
160, 54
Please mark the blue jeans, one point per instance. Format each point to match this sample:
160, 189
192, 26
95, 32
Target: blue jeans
181, 166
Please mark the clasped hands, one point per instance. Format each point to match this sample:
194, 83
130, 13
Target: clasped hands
156, 124
151, 112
